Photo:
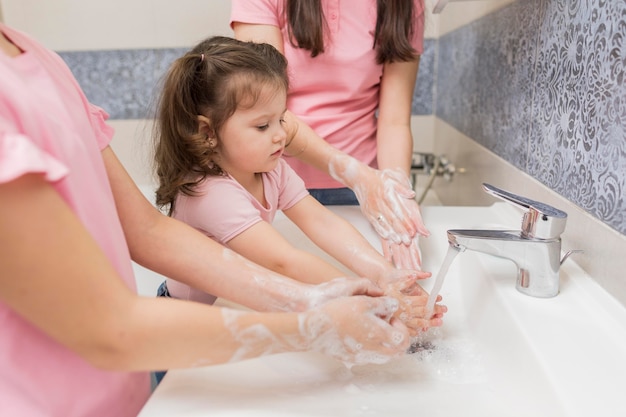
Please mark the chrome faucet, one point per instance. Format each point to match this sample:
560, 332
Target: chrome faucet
433, 166
535, 249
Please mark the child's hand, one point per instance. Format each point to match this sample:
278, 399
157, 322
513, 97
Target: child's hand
401, 255
412, 300
406, 278
356, 330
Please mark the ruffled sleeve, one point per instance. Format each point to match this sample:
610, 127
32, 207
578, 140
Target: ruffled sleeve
103, 131
260, 12
19, 156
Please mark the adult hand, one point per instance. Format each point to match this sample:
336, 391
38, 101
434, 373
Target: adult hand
356, 330
339, 287
388, 202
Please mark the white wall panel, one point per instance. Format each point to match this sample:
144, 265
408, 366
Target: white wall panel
71, 25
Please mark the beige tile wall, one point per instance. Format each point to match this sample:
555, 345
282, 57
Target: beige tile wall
70, 25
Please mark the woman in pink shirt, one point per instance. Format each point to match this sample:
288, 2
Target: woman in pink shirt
352, 66
76, 340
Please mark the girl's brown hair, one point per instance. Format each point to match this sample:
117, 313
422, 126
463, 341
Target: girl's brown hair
395, 25
213, 79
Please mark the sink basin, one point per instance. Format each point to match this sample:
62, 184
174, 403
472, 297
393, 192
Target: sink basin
499, 352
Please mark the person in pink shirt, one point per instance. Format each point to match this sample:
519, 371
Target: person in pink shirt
352, 67
221, 172
76, 338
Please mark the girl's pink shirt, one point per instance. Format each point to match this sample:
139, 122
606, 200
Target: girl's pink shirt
223, 209
47, 126
335, 93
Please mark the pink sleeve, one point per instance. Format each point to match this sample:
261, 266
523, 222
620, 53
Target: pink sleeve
263, 12
418, 29
26, 143
292, 186
222, 213
20, 156
102, 131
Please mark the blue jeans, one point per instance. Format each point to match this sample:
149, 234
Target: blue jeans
161, 292
335, 196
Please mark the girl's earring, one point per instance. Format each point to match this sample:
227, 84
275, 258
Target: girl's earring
212, 143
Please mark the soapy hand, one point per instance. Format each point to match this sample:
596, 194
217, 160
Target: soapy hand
387, 200
413, 300
356, 330
403, 256
317, 295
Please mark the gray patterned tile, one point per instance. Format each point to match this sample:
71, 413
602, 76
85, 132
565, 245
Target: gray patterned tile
484, 81
122, 82
423, 93
578, 140
541, 84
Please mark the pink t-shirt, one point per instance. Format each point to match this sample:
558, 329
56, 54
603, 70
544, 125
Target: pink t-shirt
223, 209
47, 126
336, 93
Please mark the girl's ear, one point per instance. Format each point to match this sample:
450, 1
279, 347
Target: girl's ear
204, 126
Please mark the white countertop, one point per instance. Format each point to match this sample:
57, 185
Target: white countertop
499, 353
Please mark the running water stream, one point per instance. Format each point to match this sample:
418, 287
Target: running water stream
443, 271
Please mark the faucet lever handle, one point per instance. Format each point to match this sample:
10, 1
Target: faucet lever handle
540, 221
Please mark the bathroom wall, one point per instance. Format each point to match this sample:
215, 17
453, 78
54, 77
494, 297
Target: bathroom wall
532, 98
540, 83
118, 50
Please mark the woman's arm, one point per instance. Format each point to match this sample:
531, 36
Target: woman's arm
55, 276
395, 144
394, 137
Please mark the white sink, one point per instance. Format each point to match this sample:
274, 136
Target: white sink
499, 352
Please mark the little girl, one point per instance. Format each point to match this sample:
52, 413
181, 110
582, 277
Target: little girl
219, 141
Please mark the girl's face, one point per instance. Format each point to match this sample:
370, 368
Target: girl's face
253, 139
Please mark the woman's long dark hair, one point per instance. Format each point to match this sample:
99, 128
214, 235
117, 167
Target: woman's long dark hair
395, 24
